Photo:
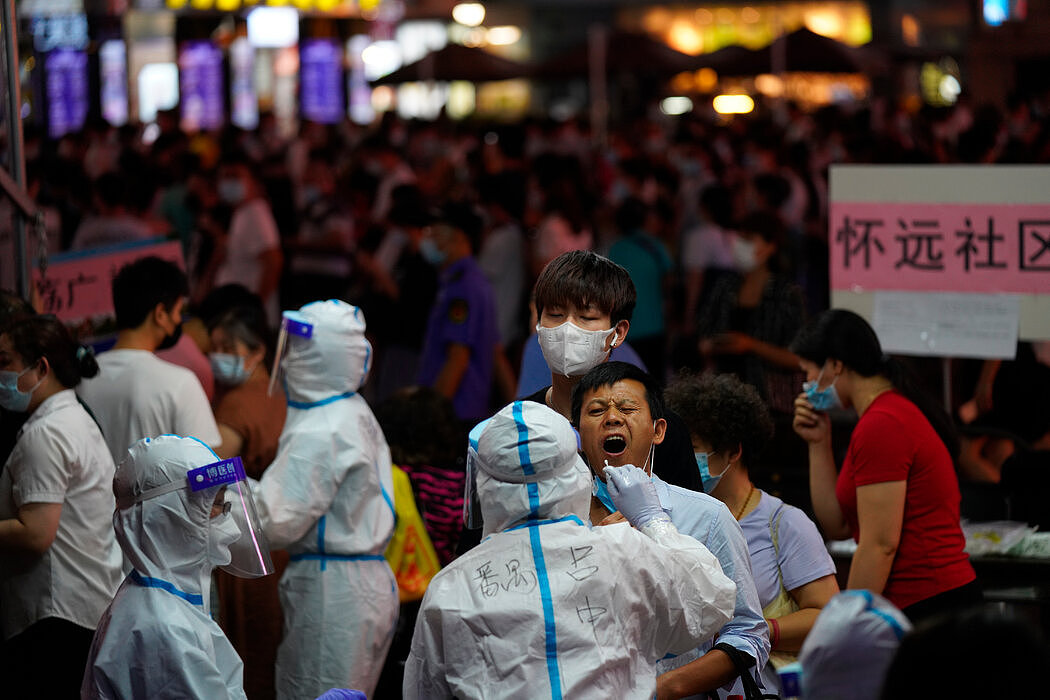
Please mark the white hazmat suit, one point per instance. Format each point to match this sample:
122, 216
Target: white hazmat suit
327, 499
157, 639
546, 606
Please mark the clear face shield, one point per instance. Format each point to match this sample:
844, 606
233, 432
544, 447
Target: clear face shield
237, 543
292, 323
471, 502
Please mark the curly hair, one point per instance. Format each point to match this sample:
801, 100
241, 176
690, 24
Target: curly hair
722, 411
421, 428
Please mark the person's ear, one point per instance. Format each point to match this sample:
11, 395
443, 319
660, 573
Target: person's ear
159, 313
659, 431
736, 454
621, 333
43, 367
255, 357
836, 366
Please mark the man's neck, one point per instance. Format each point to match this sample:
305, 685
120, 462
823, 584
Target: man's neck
598, 511
560, 395
135, 339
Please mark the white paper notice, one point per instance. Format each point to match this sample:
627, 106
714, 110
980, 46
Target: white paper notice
947, 325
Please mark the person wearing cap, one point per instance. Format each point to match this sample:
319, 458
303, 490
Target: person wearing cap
462, 339
327, 499
619, 412
59, 561
180, 512
851, 646
548, 606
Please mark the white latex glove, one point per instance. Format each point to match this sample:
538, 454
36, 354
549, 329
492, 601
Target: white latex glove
634, 495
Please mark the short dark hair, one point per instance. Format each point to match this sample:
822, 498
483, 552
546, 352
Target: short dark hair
222, 299
631, 215
13, 308
248, 324
607, 374
506, 190
141, 285
112, 189
766, 226
464, 218
581, 277
723, 411
37, 337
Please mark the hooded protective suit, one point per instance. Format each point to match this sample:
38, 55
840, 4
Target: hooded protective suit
546, 606
850, 647
156, 639
327, 500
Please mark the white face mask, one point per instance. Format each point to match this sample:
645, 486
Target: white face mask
222, 532
744, 258
572, 351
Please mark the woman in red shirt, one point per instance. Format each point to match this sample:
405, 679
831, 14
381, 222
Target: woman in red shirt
897, 494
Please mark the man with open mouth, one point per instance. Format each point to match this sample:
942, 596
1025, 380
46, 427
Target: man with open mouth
619, 413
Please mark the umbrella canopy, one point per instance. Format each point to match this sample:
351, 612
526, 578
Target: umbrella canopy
802, 49
626, 52
457, 62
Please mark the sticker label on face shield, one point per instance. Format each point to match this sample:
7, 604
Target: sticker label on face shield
219, 473
294, 327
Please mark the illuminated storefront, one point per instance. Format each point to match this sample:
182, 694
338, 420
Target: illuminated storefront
697, 31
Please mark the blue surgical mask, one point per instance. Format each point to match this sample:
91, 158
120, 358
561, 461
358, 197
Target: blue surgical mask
229, 369
11, 397
431, 253
822, 399
601, 492
709, 480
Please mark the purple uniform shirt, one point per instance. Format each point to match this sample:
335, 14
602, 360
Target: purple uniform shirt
464, 312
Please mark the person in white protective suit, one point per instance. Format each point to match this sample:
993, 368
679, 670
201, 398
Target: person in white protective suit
546, 606
327, 499
181, 511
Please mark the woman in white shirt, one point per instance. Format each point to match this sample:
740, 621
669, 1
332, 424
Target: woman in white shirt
59, 560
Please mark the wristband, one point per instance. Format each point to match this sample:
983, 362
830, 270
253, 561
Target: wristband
774, 632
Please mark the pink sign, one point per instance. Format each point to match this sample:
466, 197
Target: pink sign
940, 247
78, 286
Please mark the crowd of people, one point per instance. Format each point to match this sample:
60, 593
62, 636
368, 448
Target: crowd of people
595, 353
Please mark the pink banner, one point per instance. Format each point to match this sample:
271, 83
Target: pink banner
940, 247
78, 285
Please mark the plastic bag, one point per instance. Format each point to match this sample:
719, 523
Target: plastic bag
410, 553
994, 538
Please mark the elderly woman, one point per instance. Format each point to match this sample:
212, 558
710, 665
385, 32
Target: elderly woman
794, 574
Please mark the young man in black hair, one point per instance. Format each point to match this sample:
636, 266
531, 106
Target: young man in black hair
136, 394
584, 304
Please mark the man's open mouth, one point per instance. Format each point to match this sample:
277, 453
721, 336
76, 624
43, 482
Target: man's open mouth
614, 445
